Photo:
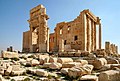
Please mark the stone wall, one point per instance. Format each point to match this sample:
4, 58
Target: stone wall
79, 34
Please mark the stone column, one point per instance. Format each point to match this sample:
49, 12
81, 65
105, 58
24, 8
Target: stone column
94, 36
61, 45
47, 39
31, 47
88, 37
100, 36
116, 47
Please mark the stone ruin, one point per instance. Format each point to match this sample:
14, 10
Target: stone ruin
37, 38
111, 48
79, 34
80, 57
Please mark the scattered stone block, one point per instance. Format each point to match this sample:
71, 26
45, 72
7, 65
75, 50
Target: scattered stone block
34, 62
112, 66
8, 70
52, 59
64, 70
55, 66
6, 54
99, 63
83, 62
77, 71
64, 60
110, 75
71, 64
2, 70
41, 72
46, 65
85, 53
112, 61
89, 78
17, 70
1, 78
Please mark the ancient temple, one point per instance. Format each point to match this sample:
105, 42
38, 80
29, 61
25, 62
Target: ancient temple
83, 33
37, 38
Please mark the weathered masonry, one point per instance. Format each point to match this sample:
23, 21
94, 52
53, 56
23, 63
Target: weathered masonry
79, 34
83, 33
37, 38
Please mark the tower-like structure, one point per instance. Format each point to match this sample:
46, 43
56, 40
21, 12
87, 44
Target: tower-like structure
37, 38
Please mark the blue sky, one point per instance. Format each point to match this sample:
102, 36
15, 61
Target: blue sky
15, 13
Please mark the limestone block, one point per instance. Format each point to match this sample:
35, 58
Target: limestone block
6, 54
2, 70
52, 59
77, 71
77, 54
41, 72
1, 78
29, 59
46, 65
52, 74
100, 53
110, 75
34, 62
70, 54
46, 60
99, 63
112, 66
71, 64
55, 66
85, 53
64, 60
22, 61
8, 70
89, 78
64, 70
33, 71
106, 67
43, 59
112, 61
83, 62
17, 70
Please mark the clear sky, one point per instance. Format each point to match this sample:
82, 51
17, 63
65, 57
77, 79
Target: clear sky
15, 13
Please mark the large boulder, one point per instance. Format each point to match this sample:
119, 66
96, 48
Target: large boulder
71, 64
41, 72
99, 63
77, 71
55, 66
64, 60
6, 54
110, 75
